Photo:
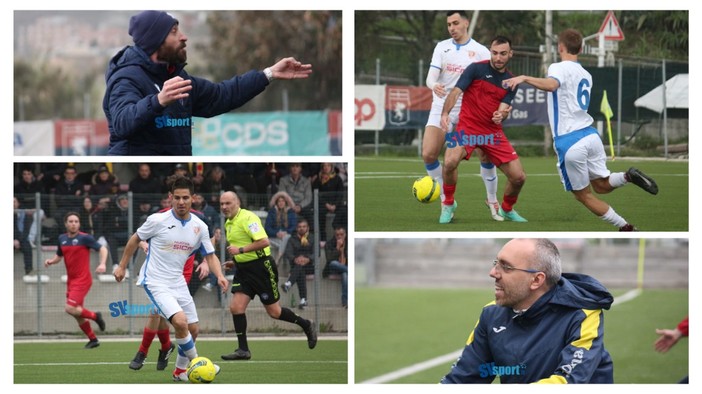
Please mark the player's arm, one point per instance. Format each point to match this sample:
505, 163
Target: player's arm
129, 250
256, 245
502, 113
547, 84
216, 269
582, 356
450, 101
52, 260
433, 81
102, 266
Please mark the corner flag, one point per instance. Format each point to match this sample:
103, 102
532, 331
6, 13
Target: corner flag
607, 112
605, 108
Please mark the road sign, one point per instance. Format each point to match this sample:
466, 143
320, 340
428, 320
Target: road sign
610, 27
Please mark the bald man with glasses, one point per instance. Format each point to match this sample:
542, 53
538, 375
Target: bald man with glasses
543, 327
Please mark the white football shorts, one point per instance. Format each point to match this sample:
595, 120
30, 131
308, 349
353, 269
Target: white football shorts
171, 299
584, 160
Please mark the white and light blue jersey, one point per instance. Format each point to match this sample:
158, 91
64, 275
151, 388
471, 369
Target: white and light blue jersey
452, 59
567, 105
171, 241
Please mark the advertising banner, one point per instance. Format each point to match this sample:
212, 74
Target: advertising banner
369, 111
301, 133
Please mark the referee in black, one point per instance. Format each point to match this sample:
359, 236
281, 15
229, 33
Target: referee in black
256, 274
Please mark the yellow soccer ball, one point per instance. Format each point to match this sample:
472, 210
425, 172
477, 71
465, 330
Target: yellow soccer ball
201, 370
426, 189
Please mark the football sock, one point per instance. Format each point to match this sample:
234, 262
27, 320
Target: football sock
87, 314
488, 172
508, 202
146, 338
164, 336
449, 191
187, 347
613, 218
85, 327
617, 179
182, 362
240, 329
289, 316
434, 171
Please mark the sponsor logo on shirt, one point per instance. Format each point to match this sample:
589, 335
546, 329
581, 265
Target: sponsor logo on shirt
490, 369
253, 227
167, 121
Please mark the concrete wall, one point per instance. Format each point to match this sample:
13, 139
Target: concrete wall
466, 263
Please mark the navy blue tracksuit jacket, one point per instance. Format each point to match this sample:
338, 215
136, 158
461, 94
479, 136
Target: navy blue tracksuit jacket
139, 125
559, 339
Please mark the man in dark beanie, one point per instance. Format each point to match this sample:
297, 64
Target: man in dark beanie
150, 98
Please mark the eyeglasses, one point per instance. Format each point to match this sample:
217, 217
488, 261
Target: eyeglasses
500, 266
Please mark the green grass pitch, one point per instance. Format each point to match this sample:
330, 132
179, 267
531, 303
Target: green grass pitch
397, 328
384, 200
273, 361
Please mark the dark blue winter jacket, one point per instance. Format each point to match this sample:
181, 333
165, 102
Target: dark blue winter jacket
559, 339
139, 125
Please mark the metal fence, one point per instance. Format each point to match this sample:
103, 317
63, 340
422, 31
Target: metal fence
39, 297
625, 80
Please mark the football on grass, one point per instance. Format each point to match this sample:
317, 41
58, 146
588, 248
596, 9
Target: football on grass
201, 370
426, 189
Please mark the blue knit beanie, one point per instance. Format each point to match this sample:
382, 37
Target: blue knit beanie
150, 28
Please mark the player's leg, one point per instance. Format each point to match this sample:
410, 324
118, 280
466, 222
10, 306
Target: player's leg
516, 177
185, 323
432, 143
75, 298
583, 164
237, 306
452, 158
488, 172
167, 347
267, 284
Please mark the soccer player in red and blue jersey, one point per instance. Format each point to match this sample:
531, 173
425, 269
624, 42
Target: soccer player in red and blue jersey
485, 102
74, 248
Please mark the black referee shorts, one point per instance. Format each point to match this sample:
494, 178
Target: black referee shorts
257, 277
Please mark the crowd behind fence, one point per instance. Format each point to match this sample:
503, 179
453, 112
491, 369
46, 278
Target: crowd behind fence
39, 292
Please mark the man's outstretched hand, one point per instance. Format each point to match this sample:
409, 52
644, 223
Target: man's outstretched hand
289, 68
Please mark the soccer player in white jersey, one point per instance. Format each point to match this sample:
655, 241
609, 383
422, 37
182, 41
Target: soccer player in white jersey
173, 235
581, 155
450, 58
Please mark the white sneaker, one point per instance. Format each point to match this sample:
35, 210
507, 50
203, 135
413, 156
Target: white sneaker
181, 377
495, 210
216, 369
207, 286
302, 304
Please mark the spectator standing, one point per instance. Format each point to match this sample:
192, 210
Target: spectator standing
280, 223
68, 193
104, 183
116, 226
299, 188
27, 187
300, 253
145, 185
331, 196
214, 184
337, 260
22, 224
